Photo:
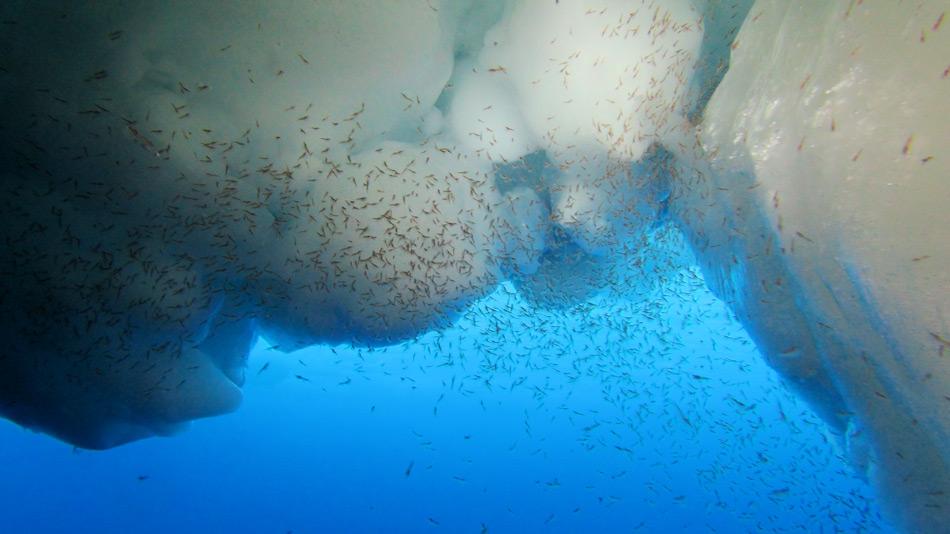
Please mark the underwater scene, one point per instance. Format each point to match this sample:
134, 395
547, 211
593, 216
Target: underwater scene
475, 266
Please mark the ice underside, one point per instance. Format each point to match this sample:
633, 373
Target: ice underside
182, 177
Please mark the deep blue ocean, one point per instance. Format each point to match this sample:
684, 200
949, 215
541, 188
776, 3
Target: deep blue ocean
654, 414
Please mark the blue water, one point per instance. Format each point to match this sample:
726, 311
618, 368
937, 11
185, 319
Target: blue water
621, 415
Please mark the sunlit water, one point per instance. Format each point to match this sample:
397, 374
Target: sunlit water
654, 416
